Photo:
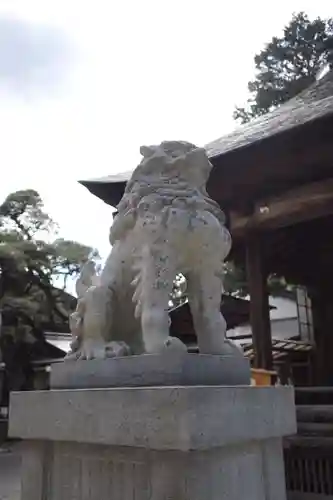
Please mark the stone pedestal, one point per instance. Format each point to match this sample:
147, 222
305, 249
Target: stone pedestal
151, 370
162, 443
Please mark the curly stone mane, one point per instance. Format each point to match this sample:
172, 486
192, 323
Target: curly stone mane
168, 175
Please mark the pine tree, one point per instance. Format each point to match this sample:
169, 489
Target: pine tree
288, 65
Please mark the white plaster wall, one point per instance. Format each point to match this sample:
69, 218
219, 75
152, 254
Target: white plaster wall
284, 321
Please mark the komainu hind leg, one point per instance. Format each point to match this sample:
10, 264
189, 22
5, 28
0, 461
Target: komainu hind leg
96, 324
157, 274
204, 294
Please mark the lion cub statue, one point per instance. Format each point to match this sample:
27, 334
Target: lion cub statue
166, 224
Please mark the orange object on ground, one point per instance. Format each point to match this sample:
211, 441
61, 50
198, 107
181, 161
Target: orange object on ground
262, 377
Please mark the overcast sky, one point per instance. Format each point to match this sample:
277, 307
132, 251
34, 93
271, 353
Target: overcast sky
83, 84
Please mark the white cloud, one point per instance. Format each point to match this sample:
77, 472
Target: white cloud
141, 72
33, 58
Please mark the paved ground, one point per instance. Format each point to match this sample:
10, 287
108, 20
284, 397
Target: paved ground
9, 474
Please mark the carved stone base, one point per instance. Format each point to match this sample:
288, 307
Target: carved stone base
162, 443
172, 369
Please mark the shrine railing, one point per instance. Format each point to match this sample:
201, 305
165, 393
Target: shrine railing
309, 468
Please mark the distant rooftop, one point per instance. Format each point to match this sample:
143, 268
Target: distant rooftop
313, 104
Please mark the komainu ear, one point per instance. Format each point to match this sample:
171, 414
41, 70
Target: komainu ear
147, 151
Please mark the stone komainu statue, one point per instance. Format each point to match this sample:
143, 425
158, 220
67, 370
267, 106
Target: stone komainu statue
166, 224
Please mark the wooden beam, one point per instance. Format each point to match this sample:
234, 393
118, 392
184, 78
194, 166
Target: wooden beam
259, 306
305, 203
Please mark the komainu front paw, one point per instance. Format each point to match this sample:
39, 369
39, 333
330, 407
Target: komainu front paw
117, 349
89, 349
173, 344
98, 349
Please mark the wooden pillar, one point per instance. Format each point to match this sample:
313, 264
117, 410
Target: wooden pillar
322, 314
259, 305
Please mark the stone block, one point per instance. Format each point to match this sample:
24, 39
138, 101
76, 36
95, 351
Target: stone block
162, 443
153, 370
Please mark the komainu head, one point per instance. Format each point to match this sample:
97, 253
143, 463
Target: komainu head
172, 170
174, 160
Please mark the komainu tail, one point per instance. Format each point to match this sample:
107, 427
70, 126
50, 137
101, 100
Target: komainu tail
88, 277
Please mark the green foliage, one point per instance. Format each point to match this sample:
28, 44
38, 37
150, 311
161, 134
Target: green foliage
178, 295
235, 282
288, 65
22, 213
29, 265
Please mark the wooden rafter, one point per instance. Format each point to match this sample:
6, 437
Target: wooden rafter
305, 203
